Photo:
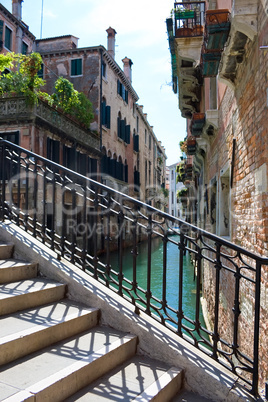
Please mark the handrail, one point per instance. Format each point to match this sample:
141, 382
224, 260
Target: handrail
83, 221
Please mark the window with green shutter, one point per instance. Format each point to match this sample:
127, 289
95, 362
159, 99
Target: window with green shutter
8, 38
41, 72
24, 48
105, 114
76, 67
1, 33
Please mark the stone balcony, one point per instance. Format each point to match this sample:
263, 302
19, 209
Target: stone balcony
16, 110
243, 27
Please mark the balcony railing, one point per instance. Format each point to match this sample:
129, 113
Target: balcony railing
17, 109
78, 217
189, 18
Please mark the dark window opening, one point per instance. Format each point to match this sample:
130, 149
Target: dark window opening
8, 38
76, 67
24, 48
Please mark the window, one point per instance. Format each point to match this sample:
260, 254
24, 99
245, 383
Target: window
137, 122
145, 137
69, 157
104, 70
150, 141
1, 33
172, 174
53, 150
105, 114
136, 180
24, 48
41, 72
121, 90
136, 142
172, 198
8, 38
76, 67
123, 129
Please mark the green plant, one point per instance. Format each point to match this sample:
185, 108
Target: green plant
182, 193
165, 192
22, 79
19, 76
183, 146
72, 102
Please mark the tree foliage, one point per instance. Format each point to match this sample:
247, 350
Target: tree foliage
19, 75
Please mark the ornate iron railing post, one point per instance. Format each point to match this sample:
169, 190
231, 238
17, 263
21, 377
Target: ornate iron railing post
255, 379
148, 294
215, 335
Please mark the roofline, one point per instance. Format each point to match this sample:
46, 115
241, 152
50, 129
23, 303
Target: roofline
110, 60
57, 37
9, 15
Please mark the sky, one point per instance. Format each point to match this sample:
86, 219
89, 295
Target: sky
141, 36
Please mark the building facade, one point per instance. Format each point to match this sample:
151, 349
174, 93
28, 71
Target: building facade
131, 151
219, 69
131, 158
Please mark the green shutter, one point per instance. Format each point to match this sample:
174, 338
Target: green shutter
103, 113
76, 67
122, 129
108, 116
127, 139
8, 34
1, 33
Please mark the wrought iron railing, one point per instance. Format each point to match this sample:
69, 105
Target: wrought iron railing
189, 18
83, 221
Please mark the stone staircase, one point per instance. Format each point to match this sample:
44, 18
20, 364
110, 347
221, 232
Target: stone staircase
54, 349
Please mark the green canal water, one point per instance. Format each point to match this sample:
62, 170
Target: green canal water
172, 294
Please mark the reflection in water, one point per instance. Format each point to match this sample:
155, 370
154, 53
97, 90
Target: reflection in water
172, 294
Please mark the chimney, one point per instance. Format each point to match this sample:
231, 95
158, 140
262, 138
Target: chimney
111, 41
127, 68
16, 8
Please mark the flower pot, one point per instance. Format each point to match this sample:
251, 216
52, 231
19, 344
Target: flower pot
217, 16
184, 15
184, 32
198, 30
198, 116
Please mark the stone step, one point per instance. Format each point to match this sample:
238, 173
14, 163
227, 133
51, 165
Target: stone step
188, 396
33, 329
17, 296
139, 379
61, 370
6, 250
12, 270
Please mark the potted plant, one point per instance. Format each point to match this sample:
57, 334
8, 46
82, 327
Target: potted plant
184, 13
182, 196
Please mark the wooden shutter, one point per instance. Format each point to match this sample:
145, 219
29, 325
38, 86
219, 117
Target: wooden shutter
108, 116
122, 129
1, 33
127, 139
126, 174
